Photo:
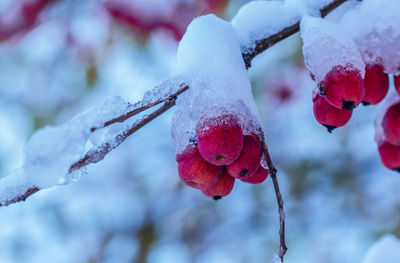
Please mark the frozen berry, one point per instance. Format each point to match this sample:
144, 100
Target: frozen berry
390, 155
257, 178
249, 160
397, 83
220, 139
391, 124
343, 87
376, 84
328, 115
195, 171
221, 188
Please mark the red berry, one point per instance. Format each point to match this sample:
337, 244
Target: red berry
195, 171
376, 84
391, 124
343, 87
221, 188
220, 139
249, 160
390, 155
397, 83
258, 177
328, 115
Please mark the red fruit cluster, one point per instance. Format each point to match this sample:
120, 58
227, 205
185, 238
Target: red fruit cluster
343, 89
222, 154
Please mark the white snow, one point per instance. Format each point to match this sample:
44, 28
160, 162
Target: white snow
13, 185
384, 250
51, 150
260, 19
391, 98
375, 27
209, 57
326, 45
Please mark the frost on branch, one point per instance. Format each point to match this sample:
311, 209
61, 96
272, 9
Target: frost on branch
326, 45
385, 250
52, 150
260, 19
375, 27
210, 60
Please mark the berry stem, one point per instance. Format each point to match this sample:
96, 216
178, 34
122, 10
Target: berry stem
272, 171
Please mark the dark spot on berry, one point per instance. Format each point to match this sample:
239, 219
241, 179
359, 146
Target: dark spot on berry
321, 90
365, 103
217, 197
348, 105
193, 141
244, 172
330, 128
219, 158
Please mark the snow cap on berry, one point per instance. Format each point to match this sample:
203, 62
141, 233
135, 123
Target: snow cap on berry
210, 62
326, 45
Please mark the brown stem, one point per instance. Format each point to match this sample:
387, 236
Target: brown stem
99, 153
140, 109
272, 172
248, 54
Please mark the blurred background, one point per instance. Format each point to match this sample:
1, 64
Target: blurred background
61, 57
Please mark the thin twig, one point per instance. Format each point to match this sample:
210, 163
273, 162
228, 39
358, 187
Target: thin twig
140, 109
272, 172
99, 153
248, 53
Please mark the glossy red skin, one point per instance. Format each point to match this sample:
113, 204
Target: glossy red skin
257, 178
376, 84
390, 155
221, 188
391, 124
343, 87
397, 83
194, 171
249, 160
328, 115
220, 139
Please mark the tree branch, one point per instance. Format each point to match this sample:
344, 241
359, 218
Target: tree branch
261, 45
248, 54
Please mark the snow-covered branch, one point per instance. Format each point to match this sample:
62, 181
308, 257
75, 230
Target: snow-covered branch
166, 92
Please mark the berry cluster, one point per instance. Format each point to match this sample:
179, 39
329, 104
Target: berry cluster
220, 154
343, 89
